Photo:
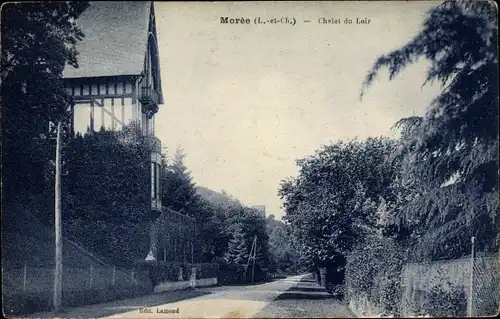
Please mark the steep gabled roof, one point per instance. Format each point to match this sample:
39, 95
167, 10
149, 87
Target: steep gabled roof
116, 37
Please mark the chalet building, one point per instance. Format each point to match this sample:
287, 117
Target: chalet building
118, 81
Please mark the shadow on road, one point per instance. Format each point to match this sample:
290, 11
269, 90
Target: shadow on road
306, 288
303, 296
305, 299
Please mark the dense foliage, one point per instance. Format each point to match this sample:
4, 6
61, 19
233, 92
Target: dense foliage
331, 205
380, 203
373, 273
449, 157
37, 42
446, 302
106, 203
167, 271
284, 258
178, 191
225, 229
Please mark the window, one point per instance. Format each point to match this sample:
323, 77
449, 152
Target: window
152, 126
145, 123
158, 172
81, 117
155, 180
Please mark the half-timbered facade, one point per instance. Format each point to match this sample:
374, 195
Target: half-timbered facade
118, 80
118, 84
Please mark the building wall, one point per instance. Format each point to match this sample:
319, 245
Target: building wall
111, 103
107, 103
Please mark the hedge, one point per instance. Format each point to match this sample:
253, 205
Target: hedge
207, 270
226, 273
160, 271
373, 275
231, 274
440, 302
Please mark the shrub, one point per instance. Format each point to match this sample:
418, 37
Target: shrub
160, 271
442, 302
207, 270
373, 274
260, 274
337, 291
230, 274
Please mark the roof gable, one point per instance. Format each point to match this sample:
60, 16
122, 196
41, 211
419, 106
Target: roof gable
155, 54
116, 37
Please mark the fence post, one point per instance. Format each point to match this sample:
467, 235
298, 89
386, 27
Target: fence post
24, 276
90, 280
113, 276
470, 305
181, 276
193, 277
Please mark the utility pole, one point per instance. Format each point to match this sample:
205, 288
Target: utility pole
58, 252
251, 256
254, 253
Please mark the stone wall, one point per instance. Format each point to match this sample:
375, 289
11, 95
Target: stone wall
179, 285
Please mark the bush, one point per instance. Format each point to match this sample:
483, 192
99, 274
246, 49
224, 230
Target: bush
260, 274
442, 302
230, 274
373, 274
160, 271
337, 291
207, 270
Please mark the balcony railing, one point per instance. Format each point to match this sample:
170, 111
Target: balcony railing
148, 96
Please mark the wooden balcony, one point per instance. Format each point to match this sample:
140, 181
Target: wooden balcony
149, 98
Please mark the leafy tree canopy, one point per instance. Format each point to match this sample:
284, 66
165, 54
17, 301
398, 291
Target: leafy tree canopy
334, 199
459, 132
38, 41
448, 158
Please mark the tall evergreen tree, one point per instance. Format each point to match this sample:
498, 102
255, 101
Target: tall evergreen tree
237, 249
449, 157
178, 190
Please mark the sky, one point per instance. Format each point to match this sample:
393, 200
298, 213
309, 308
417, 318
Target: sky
245, 101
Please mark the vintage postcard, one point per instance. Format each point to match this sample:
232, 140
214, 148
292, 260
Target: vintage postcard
312, 159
